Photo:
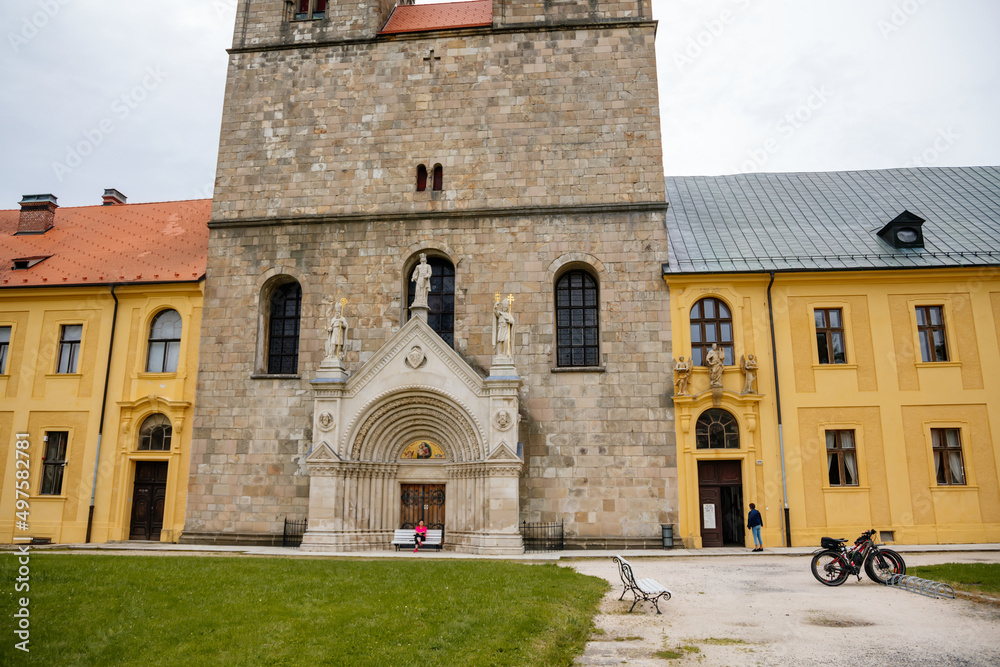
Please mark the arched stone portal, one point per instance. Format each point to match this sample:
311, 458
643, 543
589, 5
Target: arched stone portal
415, 389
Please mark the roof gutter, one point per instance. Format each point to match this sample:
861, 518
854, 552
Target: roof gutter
785, 528
104, 404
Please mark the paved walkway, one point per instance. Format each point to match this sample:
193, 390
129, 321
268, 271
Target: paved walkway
571, 554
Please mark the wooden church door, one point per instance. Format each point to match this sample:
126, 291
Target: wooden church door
422, 501
148, 497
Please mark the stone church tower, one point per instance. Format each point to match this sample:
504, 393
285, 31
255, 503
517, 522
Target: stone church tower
516, 145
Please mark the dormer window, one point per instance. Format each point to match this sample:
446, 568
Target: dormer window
309, 9
904, 231
22, 263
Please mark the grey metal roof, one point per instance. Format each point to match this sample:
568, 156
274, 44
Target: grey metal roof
814, 221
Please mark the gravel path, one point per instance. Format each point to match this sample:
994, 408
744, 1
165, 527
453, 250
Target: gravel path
769, 610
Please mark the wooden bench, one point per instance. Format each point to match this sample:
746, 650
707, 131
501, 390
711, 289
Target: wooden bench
649, 590
404, 537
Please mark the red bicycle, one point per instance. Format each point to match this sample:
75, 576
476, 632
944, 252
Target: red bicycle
835, 562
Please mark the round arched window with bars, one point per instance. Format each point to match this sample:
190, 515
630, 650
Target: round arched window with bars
717, 429
155, 434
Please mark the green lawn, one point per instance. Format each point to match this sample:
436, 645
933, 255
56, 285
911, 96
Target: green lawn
178, 610
972, 577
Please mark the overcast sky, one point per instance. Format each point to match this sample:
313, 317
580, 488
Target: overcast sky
102, 94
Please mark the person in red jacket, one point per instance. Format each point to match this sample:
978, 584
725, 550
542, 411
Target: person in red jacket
419, 536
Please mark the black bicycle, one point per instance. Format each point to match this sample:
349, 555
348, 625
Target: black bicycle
835, 562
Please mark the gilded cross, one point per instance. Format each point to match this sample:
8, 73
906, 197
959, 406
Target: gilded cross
430, 60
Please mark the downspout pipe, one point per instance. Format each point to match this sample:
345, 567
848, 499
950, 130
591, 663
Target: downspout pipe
786, 528
104, 404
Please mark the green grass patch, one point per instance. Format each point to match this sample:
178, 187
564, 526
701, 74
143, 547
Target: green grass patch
971, 577
721, 641
669, 654
178, 610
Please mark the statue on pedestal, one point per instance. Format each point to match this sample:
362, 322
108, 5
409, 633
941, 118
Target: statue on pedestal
422, 278
715, 359
682, 369
749, 366
503, 326
337, 331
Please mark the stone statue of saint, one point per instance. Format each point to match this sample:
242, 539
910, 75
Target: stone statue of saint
338, 333
503, 327
715, 359
422, 277
749, 366
682, 369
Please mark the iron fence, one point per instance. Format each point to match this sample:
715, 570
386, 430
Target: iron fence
294, 530
542, 536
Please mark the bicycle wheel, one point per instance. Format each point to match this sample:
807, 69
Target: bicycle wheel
829, 568
900, 565
882, 564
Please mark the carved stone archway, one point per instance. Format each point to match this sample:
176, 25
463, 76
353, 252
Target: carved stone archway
363, 423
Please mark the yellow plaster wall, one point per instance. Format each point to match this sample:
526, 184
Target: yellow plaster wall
36, 400
885, 392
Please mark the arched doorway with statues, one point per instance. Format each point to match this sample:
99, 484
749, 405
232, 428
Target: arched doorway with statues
415, 432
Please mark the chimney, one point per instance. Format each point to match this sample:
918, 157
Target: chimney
113, 198
37, 214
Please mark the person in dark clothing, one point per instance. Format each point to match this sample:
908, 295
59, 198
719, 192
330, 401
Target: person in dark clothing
754, 522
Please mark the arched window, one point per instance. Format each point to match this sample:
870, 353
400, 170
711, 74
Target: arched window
438, 178
577, 305
164, 343
711, 322
716, 429
421, 178
283, 329
154, 434
440, 298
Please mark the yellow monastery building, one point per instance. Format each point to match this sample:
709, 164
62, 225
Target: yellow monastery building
100, 310
870, 303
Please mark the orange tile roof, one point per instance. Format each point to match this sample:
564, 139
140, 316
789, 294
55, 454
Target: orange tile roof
417, 18
130, 243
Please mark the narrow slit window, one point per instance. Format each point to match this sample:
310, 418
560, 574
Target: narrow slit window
438, 178
421, 178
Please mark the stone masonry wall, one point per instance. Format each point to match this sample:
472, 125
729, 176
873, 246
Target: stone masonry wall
599, 446
269, 22
542, 118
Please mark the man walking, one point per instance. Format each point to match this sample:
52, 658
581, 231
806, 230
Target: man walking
754, 522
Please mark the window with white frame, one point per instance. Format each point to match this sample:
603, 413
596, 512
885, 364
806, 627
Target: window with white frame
949, 465
841, 457
164, 343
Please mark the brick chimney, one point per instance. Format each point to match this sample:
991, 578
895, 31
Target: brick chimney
113, 198
37, 214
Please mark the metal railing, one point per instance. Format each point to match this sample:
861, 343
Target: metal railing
542, 536
294, 530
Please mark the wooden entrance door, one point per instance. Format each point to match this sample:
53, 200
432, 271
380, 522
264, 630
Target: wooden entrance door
422, 501
720, 497
148, 495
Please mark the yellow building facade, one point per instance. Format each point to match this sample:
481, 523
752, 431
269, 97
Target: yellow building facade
877, 402
124, 348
